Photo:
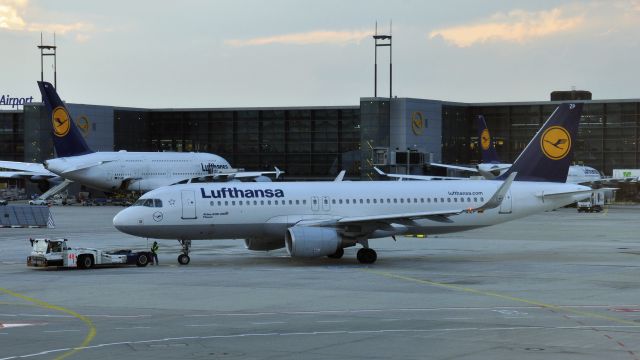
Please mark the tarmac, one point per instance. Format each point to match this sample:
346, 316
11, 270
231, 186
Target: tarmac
558, 285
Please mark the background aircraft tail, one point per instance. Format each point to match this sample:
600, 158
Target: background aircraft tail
548, 156
67, 139
487, 147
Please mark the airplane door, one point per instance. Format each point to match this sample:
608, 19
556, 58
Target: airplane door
326, 206
188, 204
505, 206
315, 204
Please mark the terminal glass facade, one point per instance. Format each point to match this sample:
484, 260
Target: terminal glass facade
305, 142
607, 138
12, 135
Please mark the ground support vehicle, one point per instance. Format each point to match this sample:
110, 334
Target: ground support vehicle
56, 252
593, 204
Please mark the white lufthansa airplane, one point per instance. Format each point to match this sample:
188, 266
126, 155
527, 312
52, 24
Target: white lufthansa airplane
322, 218
121, 170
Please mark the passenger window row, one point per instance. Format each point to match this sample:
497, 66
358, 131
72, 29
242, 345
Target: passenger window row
257, 202
405, 200
347, 201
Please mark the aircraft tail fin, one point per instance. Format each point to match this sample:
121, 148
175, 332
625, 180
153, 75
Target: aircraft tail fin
67, 139
548, 155
487, 147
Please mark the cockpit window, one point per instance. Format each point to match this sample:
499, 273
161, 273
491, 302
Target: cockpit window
148, 202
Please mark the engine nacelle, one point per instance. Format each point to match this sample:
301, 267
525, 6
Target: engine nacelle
263, 244
307, 241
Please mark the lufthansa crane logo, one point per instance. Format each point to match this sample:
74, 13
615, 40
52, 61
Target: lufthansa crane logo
555, 142
417, 123
157, 216
485, 139
83, 125
61, 121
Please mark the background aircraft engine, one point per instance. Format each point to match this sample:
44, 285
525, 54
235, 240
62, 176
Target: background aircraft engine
263, 244
306, 241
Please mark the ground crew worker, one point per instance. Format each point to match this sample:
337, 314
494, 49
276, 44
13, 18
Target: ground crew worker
154, 253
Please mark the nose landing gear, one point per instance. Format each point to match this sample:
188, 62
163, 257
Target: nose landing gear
184, 259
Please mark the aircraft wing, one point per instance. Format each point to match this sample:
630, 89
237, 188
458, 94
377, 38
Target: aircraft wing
24, 169
249, 174
416, 177
465, 168
85, 166
442, 215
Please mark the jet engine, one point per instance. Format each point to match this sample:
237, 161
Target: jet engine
263, 244
307, 241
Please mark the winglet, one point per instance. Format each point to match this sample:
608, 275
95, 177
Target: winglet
380, 172
340, 176
496, 199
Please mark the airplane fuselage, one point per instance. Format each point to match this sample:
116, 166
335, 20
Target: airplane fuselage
264, 211
136, 171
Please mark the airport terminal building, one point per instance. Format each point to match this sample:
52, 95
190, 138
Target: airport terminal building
317, 142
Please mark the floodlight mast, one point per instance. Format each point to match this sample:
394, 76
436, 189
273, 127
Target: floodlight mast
382, 40
48, 50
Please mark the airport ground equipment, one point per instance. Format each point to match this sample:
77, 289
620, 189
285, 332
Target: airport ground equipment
34, 216
57, 253
593, 204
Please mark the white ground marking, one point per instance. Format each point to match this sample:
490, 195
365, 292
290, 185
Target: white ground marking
334, 332
6, 326
496, 309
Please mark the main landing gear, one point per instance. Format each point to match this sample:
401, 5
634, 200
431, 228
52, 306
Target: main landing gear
184, 258
366, 255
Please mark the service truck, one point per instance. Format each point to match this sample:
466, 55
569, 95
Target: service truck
594, 203
56, 252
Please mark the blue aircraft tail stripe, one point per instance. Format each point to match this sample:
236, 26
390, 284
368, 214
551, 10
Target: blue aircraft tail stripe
485, 141
67, 139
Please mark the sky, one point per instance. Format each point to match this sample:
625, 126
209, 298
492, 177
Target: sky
243, 53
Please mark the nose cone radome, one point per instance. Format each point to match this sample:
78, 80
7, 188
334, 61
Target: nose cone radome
126, 222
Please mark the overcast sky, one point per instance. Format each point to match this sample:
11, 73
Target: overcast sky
297, 53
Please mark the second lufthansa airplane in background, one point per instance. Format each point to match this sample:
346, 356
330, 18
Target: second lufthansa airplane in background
491, 167
121, 170
322, 218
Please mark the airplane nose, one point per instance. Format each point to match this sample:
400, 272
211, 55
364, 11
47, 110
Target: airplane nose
125, 222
